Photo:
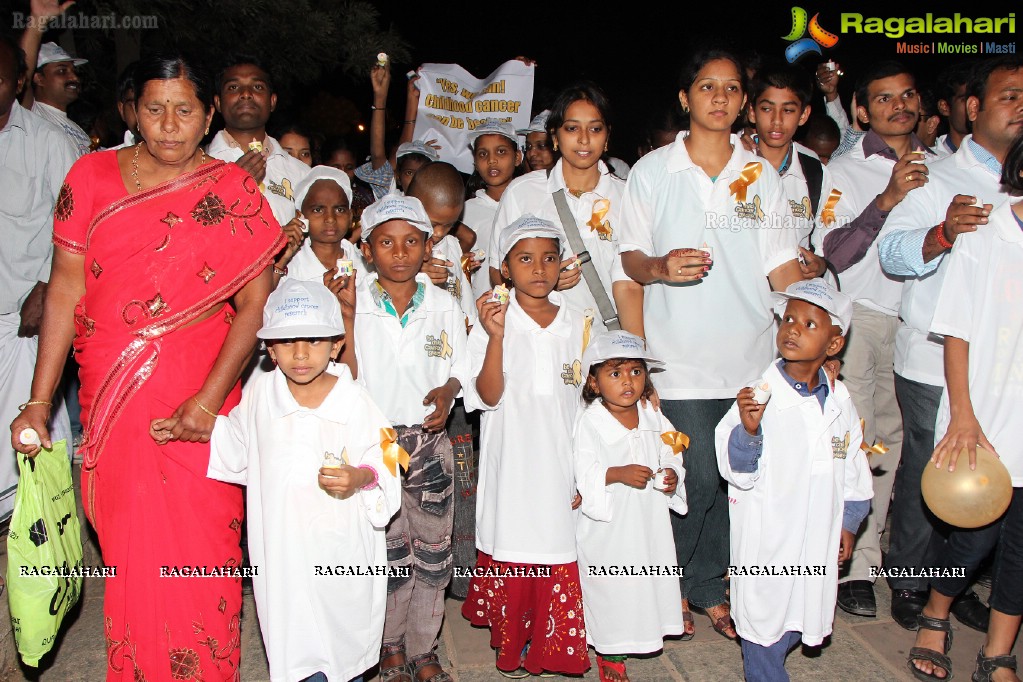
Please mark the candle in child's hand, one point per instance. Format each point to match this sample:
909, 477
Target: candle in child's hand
499, 294
345, 267
761, 392
659, 479
382, 59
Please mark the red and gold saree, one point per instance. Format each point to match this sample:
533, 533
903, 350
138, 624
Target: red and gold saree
155, 262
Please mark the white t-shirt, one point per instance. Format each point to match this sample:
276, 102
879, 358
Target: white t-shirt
526, 481
715, 334
450, 249
479, 215
797, 195
534, 193
980, 304
789, 511
311, 622
860, 179
75, 134
283, 171
621, 525
400, 365
919, 354
306, 266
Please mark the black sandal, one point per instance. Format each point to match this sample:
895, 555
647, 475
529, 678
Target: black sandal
394, 673
986, 665
420, 662
918, 653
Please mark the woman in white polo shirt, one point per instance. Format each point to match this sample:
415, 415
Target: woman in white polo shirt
580, 127
707, 309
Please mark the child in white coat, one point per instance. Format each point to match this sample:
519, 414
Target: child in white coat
627, 567
316, 520
798, 484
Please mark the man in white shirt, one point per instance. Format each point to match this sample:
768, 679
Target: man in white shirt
34, 158
245, 98
874, 177
55, 85
951, 93
914, 242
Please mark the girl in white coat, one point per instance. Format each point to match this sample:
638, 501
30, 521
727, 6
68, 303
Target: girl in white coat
631, 593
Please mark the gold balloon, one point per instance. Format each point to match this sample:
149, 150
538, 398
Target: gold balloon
968, 498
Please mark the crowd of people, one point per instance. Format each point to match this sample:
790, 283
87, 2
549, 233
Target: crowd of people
709, 382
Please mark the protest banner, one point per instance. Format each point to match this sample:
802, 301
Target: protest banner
452, 102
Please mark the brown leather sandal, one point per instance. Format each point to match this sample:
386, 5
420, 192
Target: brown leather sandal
986, 665
425, 660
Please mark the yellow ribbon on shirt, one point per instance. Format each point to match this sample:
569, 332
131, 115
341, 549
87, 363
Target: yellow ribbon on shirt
828, 212
466, 263
678, 441
394, 454
587, 328
878, 448
597, 222
750, 172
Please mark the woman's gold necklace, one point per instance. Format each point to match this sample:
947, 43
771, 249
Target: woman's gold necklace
135, 164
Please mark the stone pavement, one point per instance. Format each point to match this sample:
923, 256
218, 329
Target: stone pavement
860, 648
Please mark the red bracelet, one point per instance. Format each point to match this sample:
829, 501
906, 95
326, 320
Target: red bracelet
376, 479
940, 236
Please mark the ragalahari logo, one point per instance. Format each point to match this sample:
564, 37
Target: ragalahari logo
800, 46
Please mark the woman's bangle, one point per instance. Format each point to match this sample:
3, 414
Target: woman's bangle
376, 108
410, 121
204, 408
939, 235
34, 402
376, 478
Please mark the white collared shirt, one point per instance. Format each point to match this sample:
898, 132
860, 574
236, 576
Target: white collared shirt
450, 249
306, 266
79, 139
980, 304
129, 141
918, 353
797, 196
714, 335
526, 480
275, 447
534, 193
399, 365
860, 179
35, 156
283, 172
479, 215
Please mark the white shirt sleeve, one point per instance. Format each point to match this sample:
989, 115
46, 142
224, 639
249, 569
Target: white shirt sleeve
477, 351
779, 241
953, 315
635, 232
382, 501
678, 502
859, 482
229, 444
836, 111
591, 474
742, 481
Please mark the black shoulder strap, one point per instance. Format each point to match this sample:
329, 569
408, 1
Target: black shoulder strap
814, 173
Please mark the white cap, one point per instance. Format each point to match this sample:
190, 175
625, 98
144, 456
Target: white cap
395, 206
322, 173
537, 125
822, 295
52, 52
528, 227
417, 147
301, 310
618, 345
494, 127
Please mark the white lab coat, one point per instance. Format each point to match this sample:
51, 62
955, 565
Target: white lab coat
311, 621
788, 512
625, 528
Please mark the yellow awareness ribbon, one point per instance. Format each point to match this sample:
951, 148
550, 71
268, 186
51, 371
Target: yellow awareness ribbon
678, 441
597, 222
758, 212
394, 454
828, 212
878, 448
466, 263
750, 172
587, 328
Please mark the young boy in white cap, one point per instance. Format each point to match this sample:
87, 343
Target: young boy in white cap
306, 442
629, 471
798, 484
410, 353
526, 362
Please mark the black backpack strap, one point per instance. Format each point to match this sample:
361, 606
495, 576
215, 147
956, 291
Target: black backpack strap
813, 171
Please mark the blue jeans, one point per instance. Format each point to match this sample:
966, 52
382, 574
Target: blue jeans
701, 536
767, 663
912, 523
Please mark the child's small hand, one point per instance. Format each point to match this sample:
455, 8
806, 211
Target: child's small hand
492, 316
670, 481
293, 231
750, 411
569, 278
845, 547
160, 430
437, 270
654, 400
344, 289
441, 398
632, 475
342, 481
577, 500
380, 78
833, 367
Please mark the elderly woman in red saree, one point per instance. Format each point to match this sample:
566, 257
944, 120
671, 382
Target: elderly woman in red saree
160, 273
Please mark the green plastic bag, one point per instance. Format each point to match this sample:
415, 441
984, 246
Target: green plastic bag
44, 551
